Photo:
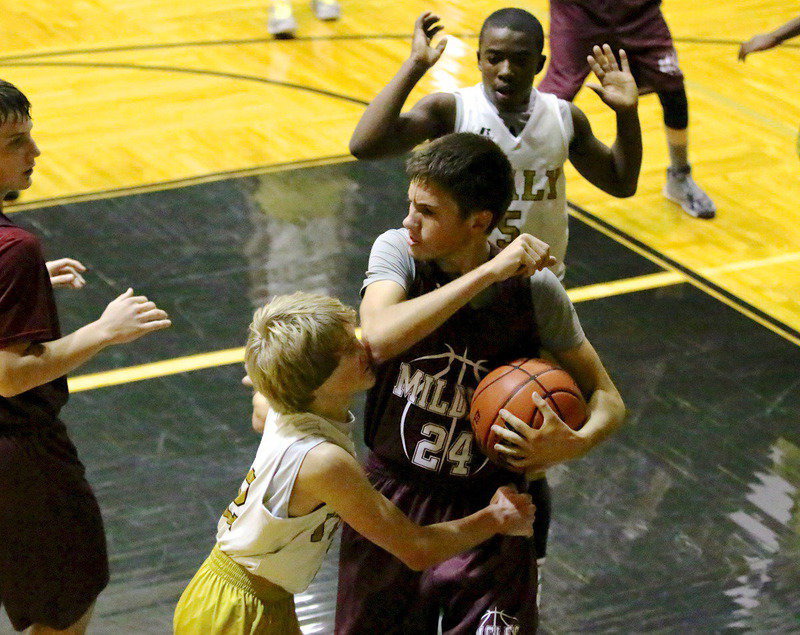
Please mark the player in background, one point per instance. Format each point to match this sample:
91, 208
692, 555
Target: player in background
303, 356
766, 41
281, 21
441, 308
639, 27
538, 132
53, 561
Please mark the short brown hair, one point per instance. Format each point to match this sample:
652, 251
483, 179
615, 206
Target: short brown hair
471, 168
13, 104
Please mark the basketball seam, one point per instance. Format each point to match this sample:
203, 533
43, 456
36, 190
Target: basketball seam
498, 378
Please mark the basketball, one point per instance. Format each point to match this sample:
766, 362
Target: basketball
510, 387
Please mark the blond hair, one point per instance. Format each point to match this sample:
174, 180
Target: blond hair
294, 345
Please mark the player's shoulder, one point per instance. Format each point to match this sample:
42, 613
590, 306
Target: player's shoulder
15, 240
440, 108
545, 282
392, 238
326, 461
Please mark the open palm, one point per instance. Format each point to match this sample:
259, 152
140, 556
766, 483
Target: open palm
617, 87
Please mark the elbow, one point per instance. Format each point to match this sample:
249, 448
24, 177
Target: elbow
8, 390
417, 559
378, 349
361, 150
625, 189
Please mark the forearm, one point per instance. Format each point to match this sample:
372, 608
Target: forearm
786, 32
380, 131
42, 363
626, 153
606, 414
395, 328
434, 544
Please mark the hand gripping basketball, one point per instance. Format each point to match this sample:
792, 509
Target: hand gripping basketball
525, 414
534, 450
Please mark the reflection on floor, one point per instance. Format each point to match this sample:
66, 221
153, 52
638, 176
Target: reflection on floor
687, 520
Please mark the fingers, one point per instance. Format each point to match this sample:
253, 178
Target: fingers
543, 406
127, 294
153, 315
623, 59
611, 61
66, 262
511, 418
509, 453
602, 61
147, 305
156, 326
428, 22
247, 381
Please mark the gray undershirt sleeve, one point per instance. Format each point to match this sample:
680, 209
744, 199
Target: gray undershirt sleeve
559, 327
390, 260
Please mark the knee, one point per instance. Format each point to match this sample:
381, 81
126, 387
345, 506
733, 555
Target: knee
676, 108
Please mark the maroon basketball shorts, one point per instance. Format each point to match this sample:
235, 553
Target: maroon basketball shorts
53, 561
493, 585
643, 34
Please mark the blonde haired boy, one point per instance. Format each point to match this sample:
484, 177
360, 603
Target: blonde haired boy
302, 354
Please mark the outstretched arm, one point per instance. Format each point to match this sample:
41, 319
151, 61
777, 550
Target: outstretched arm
331, 475
383, 130
766, 41
614, 170
25, 365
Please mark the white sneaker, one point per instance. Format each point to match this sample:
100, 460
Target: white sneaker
681, 188
326, 9
281, 22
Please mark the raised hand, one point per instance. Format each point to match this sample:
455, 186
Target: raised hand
426, 26
617, 88
66, 273
523, 257
129, 317
515, 511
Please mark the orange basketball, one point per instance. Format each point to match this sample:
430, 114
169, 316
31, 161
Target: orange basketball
511, 386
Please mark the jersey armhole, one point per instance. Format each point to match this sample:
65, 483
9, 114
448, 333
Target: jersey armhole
459, 118
283, 491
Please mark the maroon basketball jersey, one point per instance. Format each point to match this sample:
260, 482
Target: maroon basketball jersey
27, 314
417, 414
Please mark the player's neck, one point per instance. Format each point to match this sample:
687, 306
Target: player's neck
333, 407
464, 260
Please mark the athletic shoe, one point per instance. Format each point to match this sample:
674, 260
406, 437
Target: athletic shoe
281, 22
326, 9
682, 189
13, 195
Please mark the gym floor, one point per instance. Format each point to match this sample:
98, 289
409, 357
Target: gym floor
189, 156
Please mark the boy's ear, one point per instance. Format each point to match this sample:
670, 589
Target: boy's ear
542, 60
481, 220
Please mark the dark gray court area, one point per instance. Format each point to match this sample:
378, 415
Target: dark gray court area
687, 520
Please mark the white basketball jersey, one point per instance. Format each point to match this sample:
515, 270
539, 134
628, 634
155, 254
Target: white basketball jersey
537, 155
256, 530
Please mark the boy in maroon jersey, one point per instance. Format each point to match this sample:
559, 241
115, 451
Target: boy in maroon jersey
53, 560
442, 307
638, 26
